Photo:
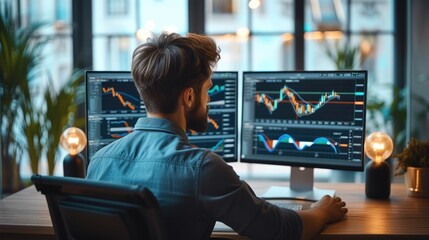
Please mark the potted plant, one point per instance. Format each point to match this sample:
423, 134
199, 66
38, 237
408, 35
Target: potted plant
345, 57
30, 128
413, 162
19, 57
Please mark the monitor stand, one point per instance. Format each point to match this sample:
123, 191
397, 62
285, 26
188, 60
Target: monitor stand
300, 188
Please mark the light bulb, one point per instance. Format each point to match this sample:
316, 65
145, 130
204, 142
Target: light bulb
378, 146
254, 4
143, 34
73, 140
243, 33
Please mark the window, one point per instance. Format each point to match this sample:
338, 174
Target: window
264, 38
259, 38
55, 68
120, 25
253, 39
117, 7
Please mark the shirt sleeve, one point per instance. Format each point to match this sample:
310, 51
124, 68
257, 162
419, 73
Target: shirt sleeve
232, 201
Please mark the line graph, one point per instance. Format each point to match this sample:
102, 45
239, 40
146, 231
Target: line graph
213, 126
216, 89
304, 100
120, 97
301, 106
217, 95
213, 122
119, 129
218, 123
223, 93
218, 146
224, 146
271, 144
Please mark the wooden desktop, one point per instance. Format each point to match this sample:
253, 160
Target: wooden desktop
25, 215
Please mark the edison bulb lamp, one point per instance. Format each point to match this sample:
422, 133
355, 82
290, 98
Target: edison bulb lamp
378, 148
73, 140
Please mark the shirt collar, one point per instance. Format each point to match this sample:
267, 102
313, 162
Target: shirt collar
159, 124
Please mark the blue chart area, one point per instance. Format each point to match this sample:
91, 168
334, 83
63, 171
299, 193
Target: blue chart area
217, 92
271, 144
295, 142
218, 146
222, 94
217, 95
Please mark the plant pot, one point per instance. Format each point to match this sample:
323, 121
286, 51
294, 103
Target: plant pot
417, 182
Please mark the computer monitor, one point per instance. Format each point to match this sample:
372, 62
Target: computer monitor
113, 106
222, 134
304, 119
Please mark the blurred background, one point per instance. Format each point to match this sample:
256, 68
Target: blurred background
62, 38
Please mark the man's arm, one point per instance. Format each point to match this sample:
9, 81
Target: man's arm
327, 210
226, 198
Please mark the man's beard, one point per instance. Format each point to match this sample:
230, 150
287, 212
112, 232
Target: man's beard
196, 118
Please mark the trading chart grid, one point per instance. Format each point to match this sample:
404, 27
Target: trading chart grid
304, 118
114, 106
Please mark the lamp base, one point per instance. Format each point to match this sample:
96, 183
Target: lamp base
74, 166
377, 180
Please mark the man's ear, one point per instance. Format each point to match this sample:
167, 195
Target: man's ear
188, 97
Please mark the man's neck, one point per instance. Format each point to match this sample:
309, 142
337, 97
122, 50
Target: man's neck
176, 117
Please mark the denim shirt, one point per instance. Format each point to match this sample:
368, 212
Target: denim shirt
194, 186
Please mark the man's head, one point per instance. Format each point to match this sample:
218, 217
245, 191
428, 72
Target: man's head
167, 64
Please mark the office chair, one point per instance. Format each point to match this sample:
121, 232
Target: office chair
87, 209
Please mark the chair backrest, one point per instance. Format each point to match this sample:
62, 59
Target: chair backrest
88, 209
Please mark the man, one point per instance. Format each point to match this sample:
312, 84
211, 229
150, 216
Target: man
194, 187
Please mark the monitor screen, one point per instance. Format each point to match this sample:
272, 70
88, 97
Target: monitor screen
313, 119
222, 134
113, 106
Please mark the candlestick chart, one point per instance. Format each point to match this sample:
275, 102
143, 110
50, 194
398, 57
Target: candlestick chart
312, 119
305, 100
300, 105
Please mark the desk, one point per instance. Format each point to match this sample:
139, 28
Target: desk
399, 217
25, 215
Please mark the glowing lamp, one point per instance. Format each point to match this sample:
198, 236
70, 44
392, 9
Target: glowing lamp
378, 148
73, 140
